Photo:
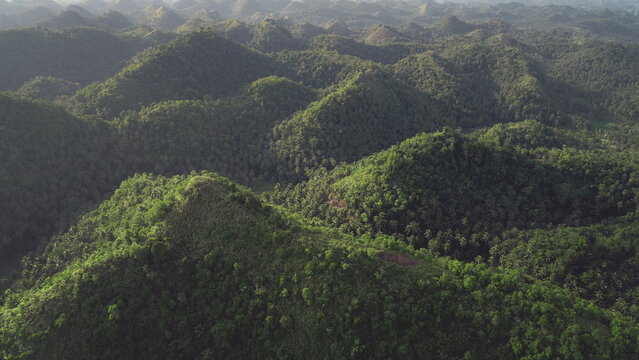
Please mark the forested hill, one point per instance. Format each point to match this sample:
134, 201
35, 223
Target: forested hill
341, 108
79, 55
451, 193
195, 266
54, 165
190, 67
59, 164
430, 180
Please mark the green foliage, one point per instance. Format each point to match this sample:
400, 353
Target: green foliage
194, 266
233, 29
229, 136
480, 83
319, 68
531, 134
48, 88
270, 37
193, 66
54, 165
609, 71
58, 165
387, 54
451, 194
365, 114
79, 55
598, 262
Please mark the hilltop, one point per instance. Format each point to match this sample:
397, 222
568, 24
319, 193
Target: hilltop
79, 55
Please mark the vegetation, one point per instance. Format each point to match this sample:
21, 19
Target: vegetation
436, 180
200, 65
58, 164
79, 55
367, 113
451, 194
196, 266
54, 165
597, 262
48, 88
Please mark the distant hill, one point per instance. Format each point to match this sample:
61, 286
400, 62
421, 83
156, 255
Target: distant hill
307, 31
48, 88
162, 18
94, 6
215, 67
243, 8
365, 114
77, 55
80, 10
451, 25
113, 20
384, 53
269, 37
66, 19
481, 83
384, 35
200, 20
33, 15
234, 30
609, 70
319, 68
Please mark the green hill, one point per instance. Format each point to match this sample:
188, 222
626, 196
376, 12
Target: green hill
195, 266
269, 37
319, 68
113, 20
162, 18
48, 88
451, 25
65, 19
482, 83
385, 53
58, 165
452, 194
200, 20
229, 136
193, 66
380, 232
531, 134
364, 114
609, 71
79, 55
382, 34
54, 166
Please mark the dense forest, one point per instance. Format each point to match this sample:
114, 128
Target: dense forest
319, 179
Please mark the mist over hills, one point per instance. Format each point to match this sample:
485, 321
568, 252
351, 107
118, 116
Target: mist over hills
170, 15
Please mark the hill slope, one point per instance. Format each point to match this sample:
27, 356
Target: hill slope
194, 266
54, 165
57, 164
451, 194
481, 83
77, 55
365, 114
190, 67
